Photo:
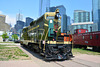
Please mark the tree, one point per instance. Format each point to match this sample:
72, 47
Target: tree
15, 37
5, 36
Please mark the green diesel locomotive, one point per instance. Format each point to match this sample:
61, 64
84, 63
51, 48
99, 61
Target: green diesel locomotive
44, 36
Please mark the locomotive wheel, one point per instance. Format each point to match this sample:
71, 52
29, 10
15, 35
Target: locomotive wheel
94, 48
85, 47
67, 57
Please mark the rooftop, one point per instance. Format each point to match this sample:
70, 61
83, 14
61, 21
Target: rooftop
3, 15
80, 11
82, 23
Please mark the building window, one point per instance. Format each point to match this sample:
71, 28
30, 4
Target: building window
90, 36
83, 37
75, 31
97, 36
79, 30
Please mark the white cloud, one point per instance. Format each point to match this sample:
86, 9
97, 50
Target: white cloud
10, 20
24, 19
1, 12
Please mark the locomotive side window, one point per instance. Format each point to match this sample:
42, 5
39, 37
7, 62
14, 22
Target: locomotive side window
97, 36
90, 36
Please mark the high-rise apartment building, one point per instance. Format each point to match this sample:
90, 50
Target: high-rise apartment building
43, 6
81, 21
82, 25
81, 16
62, 11
96, 14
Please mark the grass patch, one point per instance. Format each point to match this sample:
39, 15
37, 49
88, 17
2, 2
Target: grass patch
83, 51
12, 53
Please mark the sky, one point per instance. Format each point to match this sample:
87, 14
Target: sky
30, 8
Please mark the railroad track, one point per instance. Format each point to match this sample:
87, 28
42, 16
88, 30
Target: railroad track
56, 63
61, 65
81, 63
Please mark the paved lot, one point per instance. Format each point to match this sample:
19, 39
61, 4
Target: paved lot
21, 63
37, 61
10, 44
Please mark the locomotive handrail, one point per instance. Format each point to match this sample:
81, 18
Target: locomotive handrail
46, 25
59, 27
45, 40
41, 38
33, 28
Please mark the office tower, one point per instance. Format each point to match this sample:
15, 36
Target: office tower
43, 6
19, 17
62, 11
19, 26
64, 24
68, 23
28, 21
96, 14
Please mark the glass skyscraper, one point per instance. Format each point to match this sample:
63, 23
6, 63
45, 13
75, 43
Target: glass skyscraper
62, 11
96, 14
81, 16
68, 23
43, 6
28, 21
19, 26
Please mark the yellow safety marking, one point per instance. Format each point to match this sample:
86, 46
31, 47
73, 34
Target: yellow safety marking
54, 42
46, 25
56, 20
59, 27
51, 42
59, 42
33, 28
49, 14
67, 42
41, 29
